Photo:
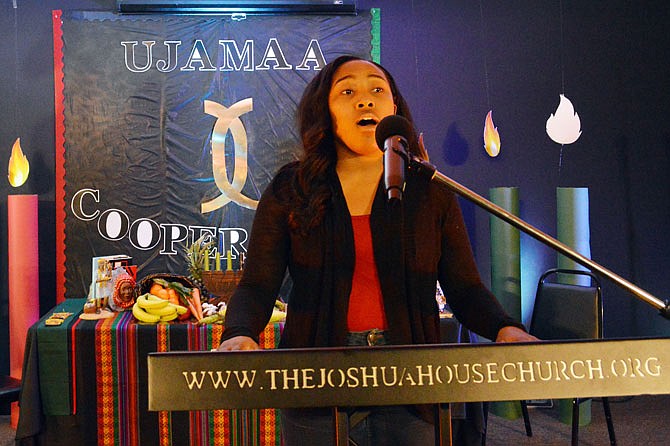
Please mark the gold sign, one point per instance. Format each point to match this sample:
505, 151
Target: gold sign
426, 374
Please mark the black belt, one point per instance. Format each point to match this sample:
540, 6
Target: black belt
368, 337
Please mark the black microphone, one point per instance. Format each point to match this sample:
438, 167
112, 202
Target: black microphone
391, 135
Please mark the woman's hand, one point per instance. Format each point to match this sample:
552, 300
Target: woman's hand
238, 343
514, 334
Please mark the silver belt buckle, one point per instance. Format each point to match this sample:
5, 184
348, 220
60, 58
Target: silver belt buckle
375, 336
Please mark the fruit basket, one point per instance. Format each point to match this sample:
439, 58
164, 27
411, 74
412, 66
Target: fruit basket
221, 284
144, 285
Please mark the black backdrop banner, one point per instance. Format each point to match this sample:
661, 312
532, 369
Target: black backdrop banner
172, 126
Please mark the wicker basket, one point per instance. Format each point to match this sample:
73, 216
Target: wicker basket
221, 284
144, 285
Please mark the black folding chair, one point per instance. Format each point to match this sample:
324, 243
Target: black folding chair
567, 311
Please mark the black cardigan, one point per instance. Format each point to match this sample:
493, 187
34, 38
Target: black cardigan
435, 246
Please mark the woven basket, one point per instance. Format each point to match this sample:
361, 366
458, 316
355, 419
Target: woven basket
221, 284
144, 285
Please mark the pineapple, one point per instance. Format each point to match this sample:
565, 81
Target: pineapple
195, 258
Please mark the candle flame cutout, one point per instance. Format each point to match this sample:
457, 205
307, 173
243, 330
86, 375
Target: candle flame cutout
18, 165
491, 136
564, 126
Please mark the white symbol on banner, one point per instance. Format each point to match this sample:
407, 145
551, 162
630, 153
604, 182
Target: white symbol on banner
228, 119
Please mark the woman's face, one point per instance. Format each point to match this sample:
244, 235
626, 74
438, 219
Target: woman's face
126, 291
360, 96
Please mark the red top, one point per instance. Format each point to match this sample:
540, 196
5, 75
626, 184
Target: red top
366, 305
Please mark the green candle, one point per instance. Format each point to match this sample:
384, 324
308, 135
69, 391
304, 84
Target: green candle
506, 252
572, 228
206, 263
229, 260
506, 272
217, 261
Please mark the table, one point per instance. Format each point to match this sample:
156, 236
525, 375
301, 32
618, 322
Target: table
85, 383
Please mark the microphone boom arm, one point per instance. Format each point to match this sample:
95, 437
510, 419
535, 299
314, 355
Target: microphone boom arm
425, 168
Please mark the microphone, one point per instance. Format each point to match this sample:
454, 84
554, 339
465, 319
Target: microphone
391, 135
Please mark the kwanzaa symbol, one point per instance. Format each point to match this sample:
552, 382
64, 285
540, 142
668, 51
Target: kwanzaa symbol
228, 119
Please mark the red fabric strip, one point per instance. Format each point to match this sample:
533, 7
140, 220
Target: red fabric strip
132, 388
60, 153
126, 385
73, 365
164, 420
199, 421
120, 364
105, 383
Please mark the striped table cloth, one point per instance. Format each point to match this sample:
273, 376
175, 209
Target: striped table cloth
107, 386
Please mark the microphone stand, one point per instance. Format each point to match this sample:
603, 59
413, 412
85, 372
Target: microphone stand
425, 168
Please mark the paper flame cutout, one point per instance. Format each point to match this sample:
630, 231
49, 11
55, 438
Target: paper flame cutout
18, 165
491, 136
564, 127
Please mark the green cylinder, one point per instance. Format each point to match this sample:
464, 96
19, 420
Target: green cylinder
572, 229
506, 272
506, 252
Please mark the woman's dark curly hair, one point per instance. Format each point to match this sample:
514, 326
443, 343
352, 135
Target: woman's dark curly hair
317, 165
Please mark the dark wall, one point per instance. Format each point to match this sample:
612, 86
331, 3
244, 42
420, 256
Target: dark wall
455, 61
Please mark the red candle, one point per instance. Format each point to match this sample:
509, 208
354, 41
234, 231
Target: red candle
23, 266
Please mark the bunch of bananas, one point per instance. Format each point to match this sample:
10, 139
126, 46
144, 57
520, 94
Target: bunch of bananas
152, 309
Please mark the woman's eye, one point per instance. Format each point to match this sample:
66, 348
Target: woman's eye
347, 91
378, 90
